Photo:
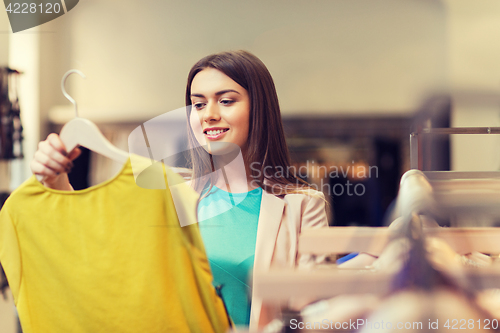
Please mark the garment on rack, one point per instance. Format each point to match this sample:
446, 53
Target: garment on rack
341, 308
441, 310
423, 289
109, 258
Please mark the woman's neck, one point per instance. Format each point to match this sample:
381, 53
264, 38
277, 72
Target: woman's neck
233, 174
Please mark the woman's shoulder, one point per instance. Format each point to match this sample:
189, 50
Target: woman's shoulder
310, 205
305, 193
292, 191
305, 199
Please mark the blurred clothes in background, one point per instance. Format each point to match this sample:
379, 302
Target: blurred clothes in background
10, 124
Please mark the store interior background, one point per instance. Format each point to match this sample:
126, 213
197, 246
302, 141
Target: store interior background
350, 76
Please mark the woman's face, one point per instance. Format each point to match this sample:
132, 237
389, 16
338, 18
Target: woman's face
222, 108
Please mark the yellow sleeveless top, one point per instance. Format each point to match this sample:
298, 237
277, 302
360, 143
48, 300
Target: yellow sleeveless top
110, 258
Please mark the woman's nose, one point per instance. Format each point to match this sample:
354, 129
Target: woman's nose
211, 112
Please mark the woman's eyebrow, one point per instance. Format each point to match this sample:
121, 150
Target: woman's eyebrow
197, 95
222, 92
226, 91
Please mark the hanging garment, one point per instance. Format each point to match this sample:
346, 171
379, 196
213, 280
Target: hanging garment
109, 258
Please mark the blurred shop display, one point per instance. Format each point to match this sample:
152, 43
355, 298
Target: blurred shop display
457, 131
356, 161
434, 151
10, 125
466, 198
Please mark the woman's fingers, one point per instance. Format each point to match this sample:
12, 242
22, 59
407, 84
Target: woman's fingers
74, 154
55, 141
42, 170
53, 158
58, 145
51, 163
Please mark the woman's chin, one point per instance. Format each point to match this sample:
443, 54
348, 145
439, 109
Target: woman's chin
221, 148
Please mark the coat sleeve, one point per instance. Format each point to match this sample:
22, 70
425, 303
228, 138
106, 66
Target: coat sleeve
313, 216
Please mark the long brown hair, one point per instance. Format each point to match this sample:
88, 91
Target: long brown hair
266, 145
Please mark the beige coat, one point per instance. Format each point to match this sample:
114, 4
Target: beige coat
280, 222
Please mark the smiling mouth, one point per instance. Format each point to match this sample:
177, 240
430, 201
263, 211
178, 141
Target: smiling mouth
215, 132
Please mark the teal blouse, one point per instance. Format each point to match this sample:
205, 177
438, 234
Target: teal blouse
228, 225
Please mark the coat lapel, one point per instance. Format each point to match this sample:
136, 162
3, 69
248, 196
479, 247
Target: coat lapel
271, 214
270, 217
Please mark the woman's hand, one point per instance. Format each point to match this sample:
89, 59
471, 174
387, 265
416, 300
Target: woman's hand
52, 163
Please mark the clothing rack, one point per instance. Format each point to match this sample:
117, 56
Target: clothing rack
416, 135
445, 190
282, 285
418, 195
339, 240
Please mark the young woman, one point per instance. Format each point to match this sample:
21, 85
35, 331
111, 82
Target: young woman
252, 206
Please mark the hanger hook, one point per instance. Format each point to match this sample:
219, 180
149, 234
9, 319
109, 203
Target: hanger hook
63, 82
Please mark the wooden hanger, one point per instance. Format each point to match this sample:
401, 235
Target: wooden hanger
83, 132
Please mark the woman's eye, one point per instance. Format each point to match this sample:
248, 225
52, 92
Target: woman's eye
226, 102
198, 106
